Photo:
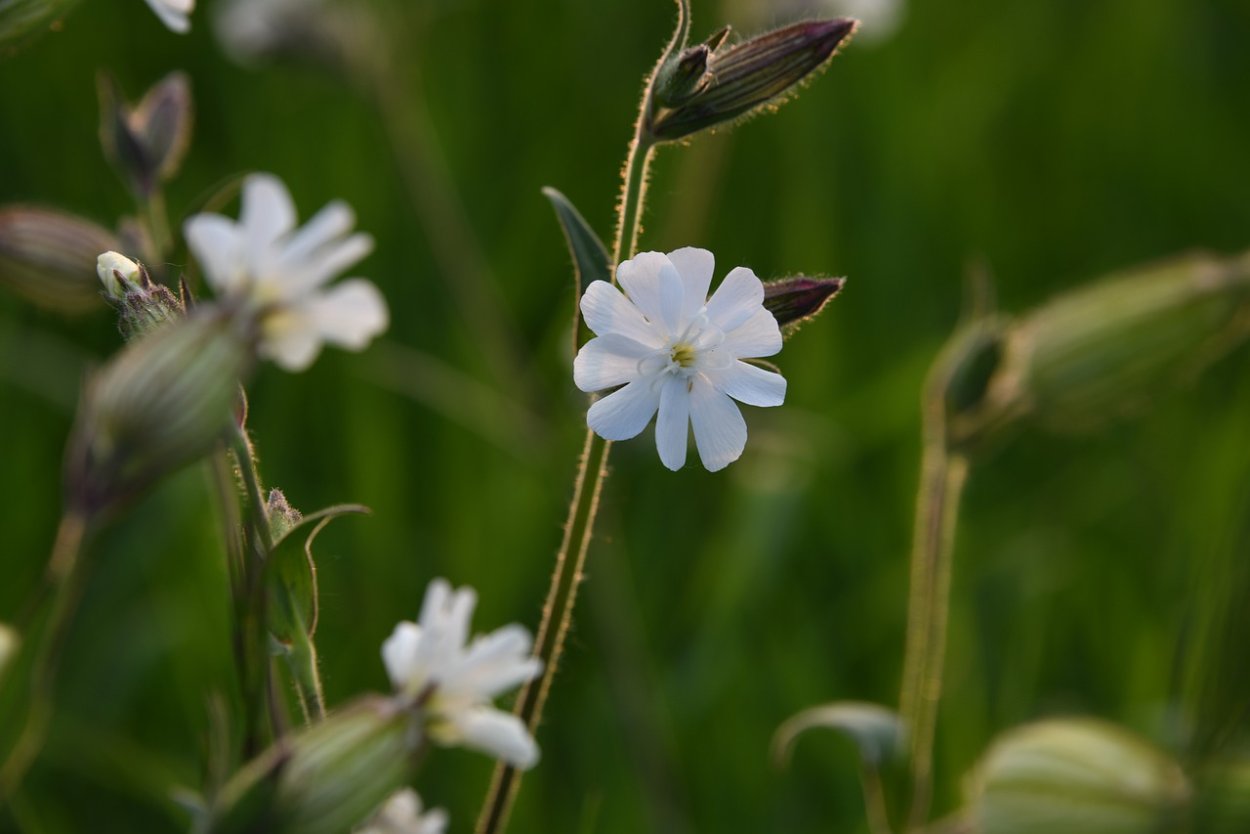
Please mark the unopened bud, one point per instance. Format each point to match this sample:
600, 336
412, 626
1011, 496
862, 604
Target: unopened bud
700, 90
325, 779
146, 143
1099, 351
798, 299
142, 304
160, 403
1076, 777
49, 257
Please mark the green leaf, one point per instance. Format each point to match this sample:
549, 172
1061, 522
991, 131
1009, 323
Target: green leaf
878, 733
590, 256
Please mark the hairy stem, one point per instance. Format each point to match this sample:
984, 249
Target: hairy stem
943, 474
64, 582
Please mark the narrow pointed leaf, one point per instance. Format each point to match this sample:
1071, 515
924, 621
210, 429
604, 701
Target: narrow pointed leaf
590, 256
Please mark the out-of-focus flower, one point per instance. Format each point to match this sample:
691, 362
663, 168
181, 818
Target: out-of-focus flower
878, 19
678, 351
277, 273
176, 14
331, 35
453, 683
142, 305
401, 814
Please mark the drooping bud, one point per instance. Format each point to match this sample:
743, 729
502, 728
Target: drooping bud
324, 780
798, 299
1099, 351
159, 404
146, 143
9, 645
739, 79
142, 304
1076, 776
49, 257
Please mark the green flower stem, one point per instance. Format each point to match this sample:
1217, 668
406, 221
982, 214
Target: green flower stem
64, 582
943, 475
156, 220
568, 573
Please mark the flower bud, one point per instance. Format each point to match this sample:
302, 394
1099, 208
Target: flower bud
49, 257
798, 299
146, 143
709, 85
1076, 776
1096, 352
142, 305
325, 779
159, 404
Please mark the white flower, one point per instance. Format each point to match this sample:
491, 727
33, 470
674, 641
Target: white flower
401, 814
250, 29
278, 272
677, 351
878, 19
174, 13
454, 683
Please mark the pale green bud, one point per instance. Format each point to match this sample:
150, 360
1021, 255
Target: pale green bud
323, 780
142, 304
1076, 776
1099, 351
118, 274
159, 404
49, 257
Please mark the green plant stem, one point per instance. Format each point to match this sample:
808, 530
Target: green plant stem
64, 581
943, 475
579, 527
156, 218
874, 800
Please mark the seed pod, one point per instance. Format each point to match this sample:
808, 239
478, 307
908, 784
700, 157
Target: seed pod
324, 780
1076, 776
711, 84
159, 404
49, 257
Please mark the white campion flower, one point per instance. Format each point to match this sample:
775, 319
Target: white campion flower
251, 29
453, 684
176, 14
678, 352
401, 814
278, 273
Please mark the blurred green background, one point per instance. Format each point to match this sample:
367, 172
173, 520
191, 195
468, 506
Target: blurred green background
1048, 143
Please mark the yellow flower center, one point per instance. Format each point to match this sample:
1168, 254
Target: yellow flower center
683, 354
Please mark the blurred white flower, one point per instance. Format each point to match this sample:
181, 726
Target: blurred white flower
174, 13
677, 351
278, 273
252, 29
454, 683
401, 814
878, 19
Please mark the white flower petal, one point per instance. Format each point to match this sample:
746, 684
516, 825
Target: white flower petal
720, 433
607, 311
497, 662
748, 384
672, 426
624, 413
290, 339
399, 653
758, 336
607, 361
217, 245
334, 220
655, 287
489, 730
267, 213
173, 13
301, 276
349, 314
737, 298
696, 267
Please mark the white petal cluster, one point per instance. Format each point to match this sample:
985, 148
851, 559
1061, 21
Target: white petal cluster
401, 814
279, 273
176, 14
677, 351
250, 29
453, 680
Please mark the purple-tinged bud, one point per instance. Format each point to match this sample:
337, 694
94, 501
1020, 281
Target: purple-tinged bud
146, 143
798, 299
686, 74
49, 257
161, 403
142, 304
741, 78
